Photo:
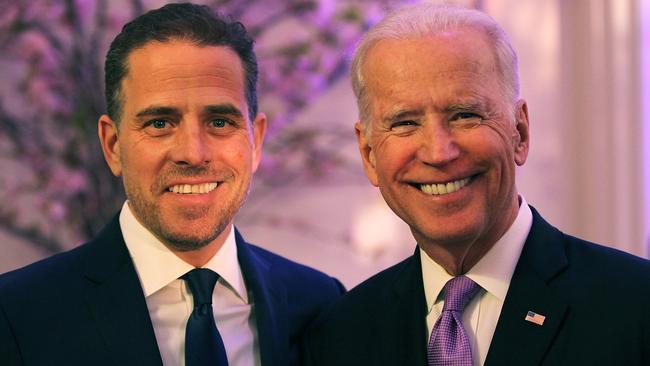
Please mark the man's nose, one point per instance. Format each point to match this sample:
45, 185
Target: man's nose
191, 145
438, 145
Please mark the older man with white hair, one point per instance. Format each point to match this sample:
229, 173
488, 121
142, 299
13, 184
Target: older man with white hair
442, 129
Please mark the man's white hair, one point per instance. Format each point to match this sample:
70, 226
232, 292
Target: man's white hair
425, 20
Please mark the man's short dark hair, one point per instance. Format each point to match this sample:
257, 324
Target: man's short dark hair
189, 22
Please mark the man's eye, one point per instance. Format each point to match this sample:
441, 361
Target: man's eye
465, 115
466, 120
403, 123
219, 122
159, 123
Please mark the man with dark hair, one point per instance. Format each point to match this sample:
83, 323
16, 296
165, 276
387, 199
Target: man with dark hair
442, 129
170, 280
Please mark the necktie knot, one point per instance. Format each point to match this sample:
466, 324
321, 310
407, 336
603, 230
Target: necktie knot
458, 292
201, 282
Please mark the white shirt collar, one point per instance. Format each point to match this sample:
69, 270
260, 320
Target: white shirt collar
492, 272
157, 266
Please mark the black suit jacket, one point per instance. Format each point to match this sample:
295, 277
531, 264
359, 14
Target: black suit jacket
86, 306
596, 301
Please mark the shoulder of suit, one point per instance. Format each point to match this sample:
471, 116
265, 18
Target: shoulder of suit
383, 279
375, 290
603, 258
294, 272
587, 257
57, 269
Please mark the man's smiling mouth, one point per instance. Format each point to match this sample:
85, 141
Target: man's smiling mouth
193, 188
437, 189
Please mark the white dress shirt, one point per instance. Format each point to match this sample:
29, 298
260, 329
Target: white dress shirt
170, 303
493, 273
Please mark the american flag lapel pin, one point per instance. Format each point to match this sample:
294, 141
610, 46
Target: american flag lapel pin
533, 317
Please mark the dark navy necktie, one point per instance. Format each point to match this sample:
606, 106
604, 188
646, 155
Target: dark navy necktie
449, 344
203, 343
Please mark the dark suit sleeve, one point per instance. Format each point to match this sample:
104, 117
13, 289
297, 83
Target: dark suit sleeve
339, 286
306, 347
9, 352
306, 358
306, 344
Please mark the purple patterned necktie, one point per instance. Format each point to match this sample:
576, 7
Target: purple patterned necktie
449, 344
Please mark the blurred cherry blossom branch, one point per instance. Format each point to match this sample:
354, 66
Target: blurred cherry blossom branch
56, 188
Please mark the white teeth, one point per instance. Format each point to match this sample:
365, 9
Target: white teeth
444, 188
451, 187
193, 188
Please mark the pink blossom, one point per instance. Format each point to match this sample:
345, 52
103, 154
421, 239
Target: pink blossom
57, 211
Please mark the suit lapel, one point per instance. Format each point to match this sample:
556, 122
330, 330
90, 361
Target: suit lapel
402, 329
517, 341
270, 305
116, 301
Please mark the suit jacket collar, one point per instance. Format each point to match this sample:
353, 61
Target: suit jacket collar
517, 341
115, 298
402, 332
269, 303
116, 301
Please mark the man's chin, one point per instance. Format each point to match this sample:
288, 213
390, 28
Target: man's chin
448, 235
189, 236
187, 243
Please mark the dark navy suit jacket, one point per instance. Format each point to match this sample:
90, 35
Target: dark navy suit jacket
86, 306
596, 301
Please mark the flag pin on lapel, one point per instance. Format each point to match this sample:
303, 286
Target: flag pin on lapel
533, 317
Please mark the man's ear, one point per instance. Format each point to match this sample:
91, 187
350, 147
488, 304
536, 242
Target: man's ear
108, 133
367, 154
521, 138
259, 131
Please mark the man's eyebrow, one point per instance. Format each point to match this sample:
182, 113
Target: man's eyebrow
401, 114
224, 109
471, 105
157, 111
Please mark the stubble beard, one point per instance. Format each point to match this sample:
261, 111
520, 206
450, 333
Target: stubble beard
148, 213
184, 241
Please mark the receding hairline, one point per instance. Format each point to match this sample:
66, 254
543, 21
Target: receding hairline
430, 20
119, 91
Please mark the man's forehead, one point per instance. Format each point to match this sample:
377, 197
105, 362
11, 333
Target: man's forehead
410, 70
444, 89
162, 72
465, 47
177, 53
